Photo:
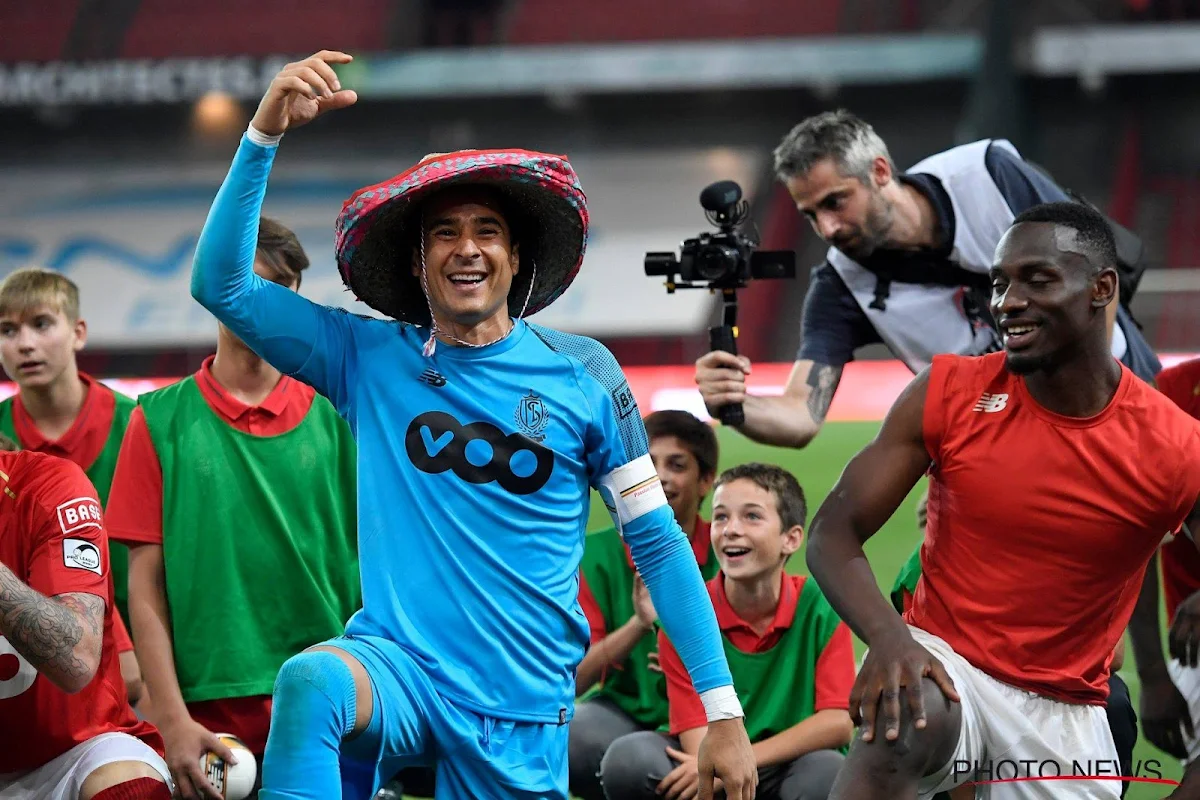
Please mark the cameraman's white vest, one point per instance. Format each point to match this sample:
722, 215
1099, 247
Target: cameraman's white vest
923, 320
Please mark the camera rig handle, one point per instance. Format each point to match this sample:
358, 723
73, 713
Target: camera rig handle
724, 337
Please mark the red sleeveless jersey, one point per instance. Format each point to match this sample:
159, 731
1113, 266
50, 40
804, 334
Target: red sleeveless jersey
1040, 526
1180, 559
52, 538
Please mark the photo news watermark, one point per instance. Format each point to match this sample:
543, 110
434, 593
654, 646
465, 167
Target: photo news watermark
1028, 770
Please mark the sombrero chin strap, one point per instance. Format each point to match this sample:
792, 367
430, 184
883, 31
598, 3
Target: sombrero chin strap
431, 343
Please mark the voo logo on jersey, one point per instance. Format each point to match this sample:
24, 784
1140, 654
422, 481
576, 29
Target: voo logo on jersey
478, 453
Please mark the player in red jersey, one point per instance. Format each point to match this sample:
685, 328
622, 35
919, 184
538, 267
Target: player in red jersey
66, 728
1054, 475
1171, 691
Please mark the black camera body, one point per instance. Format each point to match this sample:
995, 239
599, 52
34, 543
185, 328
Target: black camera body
724, 261
727, 259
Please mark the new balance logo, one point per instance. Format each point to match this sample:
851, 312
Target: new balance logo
991, 403
435, 379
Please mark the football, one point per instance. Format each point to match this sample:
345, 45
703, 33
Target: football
233, 781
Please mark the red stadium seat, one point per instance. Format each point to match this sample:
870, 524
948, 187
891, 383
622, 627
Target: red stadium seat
1179, 325
35, 31
560, 21
166, 28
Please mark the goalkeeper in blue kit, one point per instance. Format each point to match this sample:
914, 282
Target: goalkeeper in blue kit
479, 435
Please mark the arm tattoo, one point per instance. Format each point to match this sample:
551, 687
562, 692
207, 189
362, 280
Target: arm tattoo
46, 630
822, 381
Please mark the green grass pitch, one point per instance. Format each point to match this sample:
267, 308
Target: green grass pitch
817, 467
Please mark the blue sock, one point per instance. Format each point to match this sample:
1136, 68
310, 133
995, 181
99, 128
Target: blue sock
313, 710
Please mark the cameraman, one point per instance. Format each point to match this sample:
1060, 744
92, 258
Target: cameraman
908, 268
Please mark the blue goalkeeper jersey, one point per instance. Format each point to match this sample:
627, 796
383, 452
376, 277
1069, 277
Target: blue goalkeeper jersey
474, 473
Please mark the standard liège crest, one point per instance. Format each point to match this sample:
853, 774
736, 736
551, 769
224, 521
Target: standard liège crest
532, 416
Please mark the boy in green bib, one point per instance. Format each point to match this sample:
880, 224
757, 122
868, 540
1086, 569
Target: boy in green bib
236, 491
61, 411
623, 690
791, 657
905, 585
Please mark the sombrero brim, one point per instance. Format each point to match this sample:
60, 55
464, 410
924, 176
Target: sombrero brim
377, 228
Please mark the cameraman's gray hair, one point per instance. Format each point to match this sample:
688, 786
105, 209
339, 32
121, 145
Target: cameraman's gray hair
839, 135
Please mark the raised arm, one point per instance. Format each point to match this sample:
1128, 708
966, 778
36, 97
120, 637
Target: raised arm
869, 491
293, 334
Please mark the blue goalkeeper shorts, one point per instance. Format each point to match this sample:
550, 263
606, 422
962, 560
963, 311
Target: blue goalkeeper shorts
473, 755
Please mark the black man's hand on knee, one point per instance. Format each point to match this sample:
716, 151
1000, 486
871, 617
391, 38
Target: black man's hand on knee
1165, 715
895, 663
1183, 642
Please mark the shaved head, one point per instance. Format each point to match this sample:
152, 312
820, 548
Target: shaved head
1078, 229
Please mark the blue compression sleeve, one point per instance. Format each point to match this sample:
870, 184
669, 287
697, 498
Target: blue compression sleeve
291, 333
667, 564
619, 465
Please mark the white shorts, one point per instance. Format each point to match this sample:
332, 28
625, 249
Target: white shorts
1187, 681
62, 777
1013, 733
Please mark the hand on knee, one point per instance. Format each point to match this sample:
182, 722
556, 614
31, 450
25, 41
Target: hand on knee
124, 780
883, 768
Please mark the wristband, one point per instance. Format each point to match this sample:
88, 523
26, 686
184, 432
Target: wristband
721, 703
261, 139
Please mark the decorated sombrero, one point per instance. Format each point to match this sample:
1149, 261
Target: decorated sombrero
380, 225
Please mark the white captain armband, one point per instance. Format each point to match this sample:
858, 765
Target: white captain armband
634, 489
721, 703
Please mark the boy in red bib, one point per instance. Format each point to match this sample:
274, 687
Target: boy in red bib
1054, 475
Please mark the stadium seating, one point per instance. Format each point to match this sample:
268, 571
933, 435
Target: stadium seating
556, 21
167, 28
1179, 325
36, 31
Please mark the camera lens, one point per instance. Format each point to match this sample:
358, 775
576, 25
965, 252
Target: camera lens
716, 261
661, 264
